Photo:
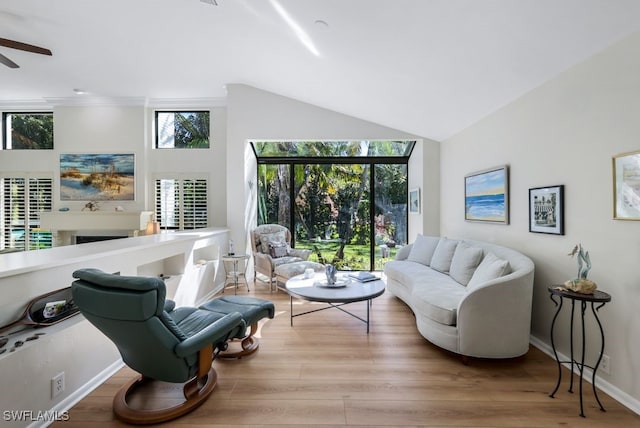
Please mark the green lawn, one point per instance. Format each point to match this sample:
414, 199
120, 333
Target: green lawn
356, 257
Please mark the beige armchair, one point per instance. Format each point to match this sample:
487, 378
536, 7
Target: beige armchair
271, 245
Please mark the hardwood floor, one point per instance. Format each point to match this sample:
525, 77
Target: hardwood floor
326, 371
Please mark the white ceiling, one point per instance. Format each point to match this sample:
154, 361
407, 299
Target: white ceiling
427, 67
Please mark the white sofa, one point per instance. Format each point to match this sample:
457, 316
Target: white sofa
469, 297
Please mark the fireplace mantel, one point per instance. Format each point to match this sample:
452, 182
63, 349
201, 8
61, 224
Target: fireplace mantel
65, 224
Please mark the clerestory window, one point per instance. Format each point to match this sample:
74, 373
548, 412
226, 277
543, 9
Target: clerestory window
27, 131
182, 129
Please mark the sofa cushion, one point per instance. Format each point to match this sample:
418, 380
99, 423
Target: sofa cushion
464, 262
441, 260
423, 248
491, 267
439, 300
407, 272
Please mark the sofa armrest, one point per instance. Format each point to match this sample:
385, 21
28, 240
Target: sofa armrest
494, 320
299, 252
263, 261
403, 252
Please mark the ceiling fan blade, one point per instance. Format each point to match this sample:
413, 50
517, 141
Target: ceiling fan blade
6, 61
24, 47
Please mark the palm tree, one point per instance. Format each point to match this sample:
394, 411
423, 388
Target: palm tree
192, 130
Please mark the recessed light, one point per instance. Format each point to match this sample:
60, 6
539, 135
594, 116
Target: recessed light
80, 92
322, 24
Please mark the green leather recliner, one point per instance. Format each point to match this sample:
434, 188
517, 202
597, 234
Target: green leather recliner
155, 339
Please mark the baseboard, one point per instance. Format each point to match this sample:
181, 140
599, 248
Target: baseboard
620, 396
65, 405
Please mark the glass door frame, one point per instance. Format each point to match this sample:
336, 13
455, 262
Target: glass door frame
371, 161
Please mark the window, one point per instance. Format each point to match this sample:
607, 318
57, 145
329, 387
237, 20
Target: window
182, 129
181, 203
21, 202
344, 200
27, 131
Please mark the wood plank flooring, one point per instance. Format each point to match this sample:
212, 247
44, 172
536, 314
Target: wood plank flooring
326, 371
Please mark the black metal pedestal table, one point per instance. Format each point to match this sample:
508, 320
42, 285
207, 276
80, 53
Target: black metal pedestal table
598, 297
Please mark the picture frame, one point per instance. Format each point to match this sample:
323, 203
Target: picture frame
626, 186
486, 195
97, 177
546, 210
414, 201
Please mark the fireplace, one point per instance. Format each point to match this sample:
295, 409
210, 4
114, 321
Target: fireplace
75, 227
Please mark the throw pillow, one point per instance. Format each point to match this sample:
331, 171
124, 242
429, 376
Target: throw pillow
464, 262
441, 260
278, 249
266, 238
423, 248
490, 268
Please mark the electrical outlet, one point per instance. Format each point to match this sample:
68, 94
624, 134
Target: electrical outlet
605, 364
57, 385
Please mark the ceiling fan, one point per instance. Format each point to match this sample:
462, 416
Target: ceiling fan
20, 46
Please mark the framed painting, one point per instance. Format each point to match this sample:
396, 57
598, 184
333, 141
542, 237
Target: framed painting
626, 186
546, 210
486, 195
97, 177
414, 201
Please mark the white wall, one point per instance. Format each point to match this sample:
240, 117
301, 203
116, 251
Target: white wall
127, 129
565, 132
256, 114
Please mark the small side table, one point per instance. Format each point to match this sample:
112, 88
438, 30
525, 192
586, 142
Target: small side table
598, 297
235, 267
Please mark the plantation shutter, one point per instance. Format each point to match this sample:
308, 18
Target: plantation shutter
195, 203
181, 204
167, 203
13, 209
22, 202
40, 191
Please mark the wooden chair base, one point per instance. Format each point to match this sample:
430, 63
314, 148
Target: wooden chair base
144, 401
249, 345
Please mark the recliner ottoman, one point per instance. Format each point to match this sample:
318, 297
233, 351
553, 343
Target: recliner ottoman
252, 310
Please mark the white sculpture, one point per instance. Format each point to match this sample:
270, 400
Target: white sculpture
581, 284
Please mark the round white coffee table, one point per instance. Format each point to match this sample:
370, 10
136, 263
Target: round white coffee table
348, 291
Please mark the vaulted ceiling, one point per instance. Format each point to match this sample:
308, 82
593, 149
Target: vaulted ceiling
427, 67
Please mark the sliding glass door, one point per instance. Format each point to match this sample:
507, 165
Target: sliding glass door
332, 207
349, 209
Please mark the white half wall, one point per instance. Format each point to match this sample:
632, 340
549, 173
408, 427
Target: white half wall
565, 132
